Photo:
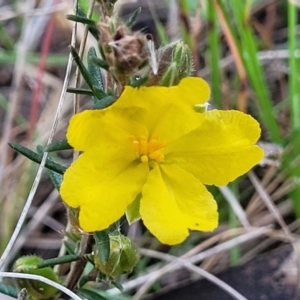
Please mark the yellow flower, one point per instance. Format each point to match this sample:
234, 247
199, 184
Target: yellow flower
152, 143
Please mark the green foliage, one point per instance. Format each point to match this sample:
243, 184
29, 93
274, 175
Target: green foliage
8, 290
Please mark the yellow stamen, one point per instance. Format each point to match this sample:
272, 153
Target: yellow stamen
148, 149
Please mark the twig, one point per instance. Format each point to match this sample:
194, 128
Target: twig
150, 278
179, 261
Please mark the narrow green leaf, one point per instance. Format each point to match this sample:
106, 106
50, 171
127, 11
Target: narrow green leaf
103, 245
56, 179
38, 158
80, 91
99, 62
133, 17
8, 290
90, 295
58, 261
138, 82
105, 102
58, 146
86, 75
83, 70
83, 280
70, 248
99, 92
80, 19
94, 70
118, 285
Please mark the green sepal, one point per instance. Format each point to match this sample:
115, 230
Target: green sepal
58, 146
130, 22
105, 102
57, 261
80, 91
38, 158
90, 295
169, 78
8, 290
103, 245
138, 82
133, 210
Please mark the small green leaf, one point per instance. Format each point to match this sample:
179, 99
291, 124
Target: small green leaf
99, 93
8, 290
118, 285
104, 102
94, 70
57, 146
90, 295
70, 248
83, 70
99, 62
58, 261
38, 158
83, 280
103, 245
133, 17
80, 91
56, 179
138, 82
82, 20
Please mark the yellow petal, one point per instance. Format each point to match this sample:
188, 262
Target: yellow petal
190, 91
167, 111
101, 128
102, 185
169, 207
220, 150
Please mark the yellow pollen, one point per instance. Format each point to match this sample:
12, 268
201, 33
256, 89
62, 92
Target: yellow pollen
148, 149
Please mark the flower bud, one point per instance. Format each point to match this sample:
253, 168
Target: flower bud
174, 63
36, 289
122, 259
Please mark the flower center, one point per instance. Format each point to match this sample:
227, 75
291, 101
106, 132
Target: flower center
148, 149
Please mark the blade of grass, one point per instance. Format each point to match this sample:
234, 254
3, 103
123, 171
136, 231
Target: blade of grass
294, 98
294, 78
248, 50
214, 54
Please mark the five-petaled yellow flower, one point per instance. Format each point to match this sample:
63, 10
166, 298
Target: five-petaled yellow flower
151, 144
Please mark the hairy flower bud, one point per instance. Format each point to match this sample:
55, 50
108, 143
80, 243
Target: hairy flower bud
174, 63
36, 289
122, 259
